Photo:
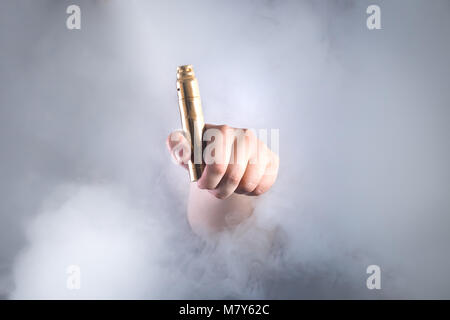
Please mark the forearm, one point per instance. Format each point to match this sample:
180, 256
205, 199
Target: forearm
207, 214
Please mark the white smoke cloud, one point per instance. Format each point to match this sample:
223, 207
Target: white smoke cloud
125, 252
362, 117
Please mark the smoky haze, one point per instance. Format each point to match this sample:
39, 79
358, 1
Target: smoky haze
363, 118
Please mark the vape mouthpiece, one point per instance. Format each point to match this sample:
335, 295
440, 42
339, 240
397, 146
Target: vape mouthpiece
191, 117
185, 72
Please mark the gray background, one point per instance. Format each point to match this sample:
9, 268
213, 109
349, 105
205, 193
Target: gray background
363, 116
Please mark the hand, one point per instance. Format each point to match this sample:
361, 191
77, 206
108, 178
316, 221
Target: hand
236, 161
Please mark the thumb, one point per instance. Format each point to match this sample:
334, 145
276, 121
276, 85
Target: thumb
179, 147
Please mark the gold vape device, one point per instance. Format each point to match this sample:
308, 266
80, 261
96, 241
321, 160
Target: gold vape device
191, 117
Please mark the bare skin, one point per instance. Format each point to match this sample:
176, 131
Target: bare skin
238, 171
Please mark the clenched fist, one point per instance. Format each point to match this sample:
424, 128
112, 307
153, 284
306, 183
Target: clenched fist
235, 161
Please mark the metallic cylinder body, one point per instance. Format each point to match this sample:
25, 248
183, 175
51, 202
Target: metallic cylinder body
191, 117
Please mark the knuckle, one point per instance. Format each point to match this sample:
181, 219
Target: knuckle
251, 141
224, 128
263, 148
233, 178
250, 135
273, 166
248, 187
217, 169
